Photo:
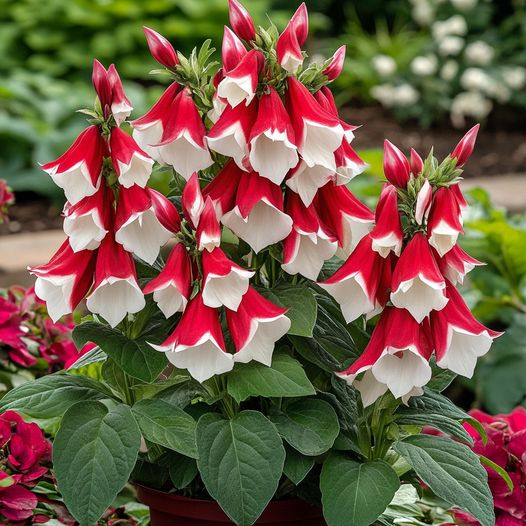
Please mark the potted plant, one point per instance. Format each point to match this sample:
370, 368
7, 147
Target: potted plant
234, 377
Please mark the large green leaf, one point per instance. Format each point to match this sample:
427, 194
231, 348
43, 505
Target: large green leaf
182, 470
452, 471
301, 304
297, 466
167, 425
135, 357
240, 461
310, 426
356, 493
50, 396
94, 453
285, 378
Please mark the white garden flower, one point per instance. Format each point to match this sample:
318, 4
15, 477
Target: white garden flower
469, 103
514, 77
479, 53
455, 25
449, 70
450, 45
384, 65
424, 66
406, 95
464, 5
385, 94
476, 79
423, 12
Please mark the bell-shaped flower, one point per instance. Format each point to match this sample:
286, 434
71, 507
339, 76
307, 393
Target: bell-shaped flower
459, 339
387, 234
208, 235
348, 163
240, 84
222, 189
445, 221
241, 21
161, 49
395, 359
349, 219
258, 217
396, 166
78, 170
172, 287
355, 284
230, 134
149, 129
318, 133
87, 222
418, 285
116, 292
288, 47
416, 163
65, 280
335, 66
307, 180
232, 50
131, 164
192, 200
423, 202
456, 264
310, 242
183, 142
255, 327
165, 211
224, 282
464, 148
197, 343
272, 149
121, 107
137, 226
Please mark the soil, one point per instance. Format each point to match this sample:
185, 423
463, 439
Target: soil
501, 149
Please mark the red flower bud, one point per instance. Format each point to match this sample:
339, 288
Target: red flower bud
160, 48
464, 148
396, 167
241, 21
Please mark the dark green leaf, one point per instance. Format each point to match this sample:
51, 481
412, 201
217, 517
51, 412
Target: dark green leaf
182, 470
297, 466
95, 355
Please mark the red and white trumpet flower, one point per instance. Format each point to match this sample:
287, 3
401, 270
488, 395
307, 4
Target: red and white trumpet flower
355, 285
456, 264
258, 204
197, 342
192, 200
318, 132
418, 285
183, 141
116, 292
255, 327
273, 150
310, 242
288, 47
395, 359
137, 226
131, 164
232, 50
459, 339
241, 21
65, 280
222, 189
445, 221
208, 233
348, 163
161, 49
387, 234
78, 171
224, 282
307, 180
423, 202
121, 107
396, 166
172, 287
87, 222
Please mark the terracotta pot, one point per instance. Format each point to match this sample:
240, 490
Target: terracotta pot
167, 509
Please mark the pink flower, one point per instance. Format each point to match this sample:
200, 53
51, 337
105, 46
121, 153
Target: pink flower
387, 234
273, 150
131, 164
255, 327
7, 198
78, 170
161, 49
464, 148
459, 339
224, 282
416, 163
172, 287
396, 167
241, 21
197, 343
310, 242
334, 68
65, 280
395, 359
16, 502
288, 47
115, 291
418, 285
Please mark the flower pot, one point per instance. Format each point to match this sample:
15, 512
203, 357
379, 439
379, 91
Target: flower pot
167, 509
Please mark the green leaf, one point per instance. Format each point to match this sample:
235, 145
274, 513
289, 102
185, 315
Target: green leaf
182, 470
503, 474
356, 493
310, 426
135, 357
297, 466
94, 453
240, 461
284, 378
301, 304
50, 396
452, 471
182, 394
95, 355
167, 425
440, 422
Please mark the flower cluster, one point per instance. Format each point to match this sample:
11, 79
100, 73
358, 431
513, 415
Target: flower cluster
25, 455
29, 338
407, 268
7, 198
